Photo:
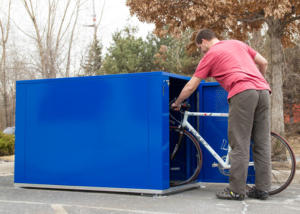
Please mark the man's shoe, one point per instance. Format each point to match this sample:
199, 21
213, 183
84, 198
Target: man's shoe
255, 193
230, 195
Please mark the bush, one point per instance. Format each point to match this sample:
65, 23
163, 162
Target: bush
7, 144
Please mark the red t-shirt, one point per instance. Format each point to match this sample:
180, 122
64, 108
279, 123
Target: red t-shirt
231, 63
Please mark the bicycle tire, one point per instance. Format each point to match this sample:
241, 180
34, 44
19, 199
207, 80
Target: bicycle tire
187, 163
283, 164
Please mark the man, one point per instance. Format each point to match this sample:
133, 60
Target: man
234, 65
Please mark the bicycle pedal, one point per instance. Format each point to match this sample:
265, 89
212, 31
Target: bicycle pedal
215, 165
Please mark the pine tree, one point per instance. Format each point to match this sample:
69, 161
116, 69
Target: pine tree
126, 53
129, 54
93, 62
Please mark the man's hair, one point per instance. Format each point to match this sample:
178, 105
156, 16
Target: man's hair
205, 34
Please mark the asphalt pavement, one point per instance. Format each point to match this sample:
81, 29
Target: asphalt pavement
200, 200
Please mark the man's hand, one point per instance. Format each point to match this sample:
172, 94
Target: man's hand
176, 106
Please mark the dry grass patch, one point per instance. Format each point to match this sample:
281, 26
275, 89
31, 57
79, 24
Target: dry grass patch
8, 158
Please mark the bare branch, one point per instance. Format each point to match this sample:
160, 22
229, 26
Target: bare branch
54, 15
67, 27
71, 41
22, 30
249, 21
292, 19
8, 22
39, 38
101, 15
62, 21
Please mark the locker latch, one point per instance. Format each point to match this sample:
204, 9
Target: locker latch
167, 81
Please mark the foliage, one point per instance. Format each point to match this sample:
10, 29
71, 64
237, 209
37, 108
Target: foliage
129, 54
7, 144
93, 62
173, 57
126, 54
235, 17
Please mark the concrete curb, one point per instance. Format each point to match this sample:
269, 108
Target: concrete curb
7, 168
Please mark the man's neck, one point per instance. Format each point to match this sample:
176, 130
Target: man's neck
213, 42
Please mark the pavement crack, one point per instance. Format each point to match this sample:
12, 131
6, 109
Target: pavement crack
245, 209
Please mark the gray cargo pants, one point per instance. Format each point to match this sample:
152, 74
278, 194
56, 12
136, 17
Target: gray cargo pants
249, 118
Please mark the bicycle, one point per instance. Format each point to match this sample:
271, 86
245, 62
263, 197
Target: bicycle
190, 158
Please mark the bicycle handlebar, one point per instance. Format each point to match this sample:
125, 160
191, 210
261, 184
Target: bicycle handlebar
182, 105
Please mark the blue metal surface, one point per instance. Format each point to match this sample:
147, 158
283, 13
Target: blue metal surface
20, 133
213, 98
85, 133
157, 73
212, 129
102, 131
158, 133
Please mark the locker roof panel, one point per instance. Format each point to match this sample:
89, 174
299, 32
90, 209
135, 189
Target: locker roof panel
156, 73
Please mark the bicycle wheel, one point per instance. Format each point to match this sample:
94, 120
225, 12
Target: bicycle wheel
186, 164
283, 164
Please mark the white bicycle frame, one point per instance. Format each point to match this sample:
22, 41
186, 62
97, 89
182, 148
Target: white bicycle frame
225, 164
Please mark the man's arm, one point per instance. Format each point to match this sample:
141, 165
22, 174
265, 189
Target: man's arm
188, 89
261, 62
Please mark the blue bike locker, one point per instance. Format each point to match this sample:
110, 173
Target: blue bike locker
108, 132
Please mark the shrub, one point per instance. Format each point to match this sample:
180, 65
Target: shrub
7, 144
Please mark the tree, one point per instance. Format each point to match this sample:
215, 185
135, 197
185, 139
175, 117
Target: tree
71, 41
152, 46
236, 18
17, 70
4, 38
126, 54
291, 86
93, 63
173, 57
50, 36
129, 54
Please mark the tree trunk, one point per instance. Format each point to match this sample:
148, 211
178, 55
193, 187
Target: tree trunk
4, 81
277, 119
4, 85
277, 65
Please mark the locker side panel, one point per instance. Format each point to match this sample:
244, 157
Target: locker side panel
88, 133
20, 133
